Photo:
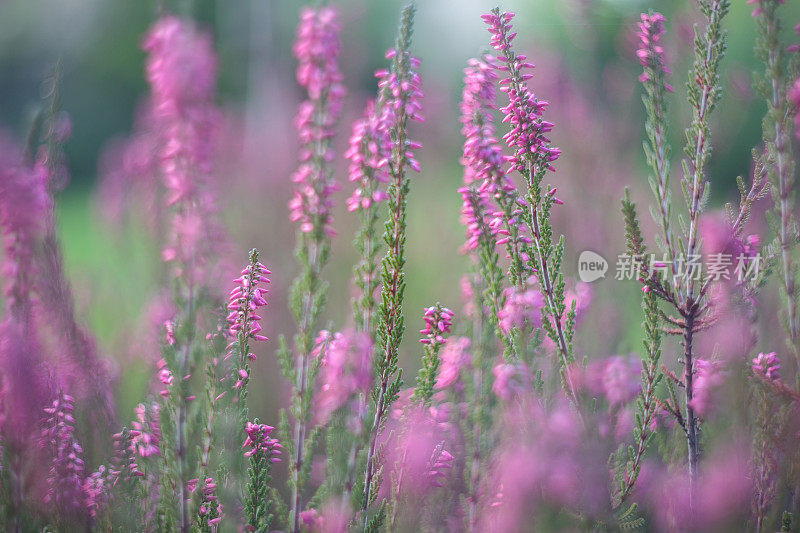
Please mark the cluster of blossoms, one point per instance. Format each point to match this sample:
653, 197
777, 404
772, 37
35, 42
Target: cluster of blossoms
181, 68
455, 359
767, 366
24, 203
440, 461
438, 321
259, 442
401, 92
511, 380
317, 49
368, 153
708, 378
166, 378
486, 420
523, 308
346, 370
650, 51
209, 505
245, 299
66, 477
146, 431
528, 133
616, 378
485, 177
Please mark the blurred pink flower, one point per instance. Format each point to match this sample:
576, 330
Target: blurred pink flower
346, 370
455, 358
317, 47
708, 378
511, 380
523, 307
767, 365
621, 379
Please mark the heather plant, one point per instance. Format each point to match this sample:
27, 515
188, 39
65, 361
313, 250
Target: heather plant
515, 421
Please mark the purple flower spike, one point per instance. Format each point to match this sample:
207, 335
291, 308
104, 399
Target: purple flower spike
768, 366
650, 51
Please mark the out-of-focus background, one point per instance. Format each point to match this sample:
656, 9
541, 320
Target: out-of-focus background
586, 69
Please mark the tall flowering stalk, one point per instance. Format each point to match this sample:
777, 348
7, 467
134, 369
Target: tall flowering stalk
24, 204
704, 93
181, 70
244, 302
681, 290
532, 157
774, 86
317, 47
489, 197
651, 56
402, 86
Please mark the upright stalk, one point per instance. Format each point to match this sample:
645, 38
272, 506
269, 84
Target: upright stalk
404, 85
773, 87
317, 49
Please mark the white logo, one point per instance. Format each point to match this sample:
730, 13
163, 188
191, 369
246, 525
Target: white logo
591, 266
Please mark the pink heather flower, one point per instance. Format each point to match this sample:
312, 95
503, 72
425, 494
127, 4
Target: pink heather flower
258, 441
718, 238
181, 69
317, 49
401, 92
334, 518
244, 301
405, 90
794, 98
522, 307
123, 463
767, 365
97, 487
621, 379
347, 370
24, 206
546, 458
725, 483
128, 172
708, 377
455, 358
310, 518
440, 461
483, 158
438, 321
166, 378
146, 434
181, 66
528, 134
209, 496
66, 476
23, 389
417, 452
369, 152
511, 380
650, 51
